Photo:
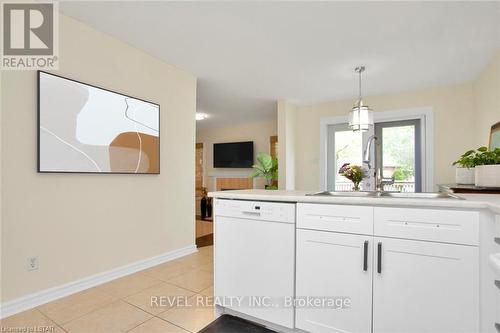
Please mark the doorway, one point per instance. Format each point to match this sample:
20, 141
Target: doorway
204, 225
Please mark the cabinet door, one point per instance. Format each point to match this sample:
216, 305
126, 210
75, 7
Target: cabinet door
424, 287
333, 265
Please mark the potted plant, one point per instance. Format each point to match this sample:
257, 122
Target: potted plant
266, 167
354, 173
487, 171
464, 173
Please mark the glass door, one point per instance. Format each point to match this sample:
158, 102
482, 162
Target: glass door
399, 154
344, 146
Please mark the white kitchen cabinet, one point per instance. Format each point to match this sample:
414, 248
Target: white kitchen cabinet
421, 282
425, 287
334, 264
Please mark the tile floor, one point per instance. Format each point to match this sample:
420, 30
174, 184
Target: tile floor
182, 288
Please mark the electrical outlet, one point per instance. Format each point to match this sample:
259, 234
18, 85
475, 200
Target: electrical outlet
32, 264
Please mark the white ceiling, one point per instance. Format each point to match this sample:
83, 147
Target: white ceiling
247, 55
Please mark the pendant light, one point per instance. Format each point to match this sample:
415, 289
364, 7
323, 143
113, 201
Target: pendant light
200, 116
361, 116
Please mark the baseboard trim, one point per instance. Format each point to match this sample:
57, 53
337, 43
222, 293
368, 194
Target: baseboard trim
33, 300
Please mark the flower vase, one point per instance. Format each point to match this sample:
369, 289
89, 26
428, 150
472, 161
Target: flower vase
356, 187
203, 207
209, 207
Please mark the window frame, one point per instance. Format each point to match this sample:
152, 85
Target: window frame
425, 115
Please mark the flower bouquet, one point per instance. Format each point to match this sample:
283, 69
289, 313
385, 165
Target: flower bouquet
354, 173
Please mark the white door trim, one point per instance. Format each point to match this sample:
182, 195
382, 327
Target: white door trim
425, 114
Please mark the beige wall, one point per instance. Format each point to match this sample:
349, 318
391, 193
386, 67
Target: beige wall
1, 188
287, 124
463, 115
453, 128
259, 133
487, 97
83, 224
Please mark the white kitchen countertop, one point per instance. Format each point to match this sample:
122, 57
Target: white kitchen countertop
471, 201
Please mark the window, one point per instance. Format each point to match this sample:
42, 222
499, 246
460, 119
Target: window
399, 154
399, 149
347, 149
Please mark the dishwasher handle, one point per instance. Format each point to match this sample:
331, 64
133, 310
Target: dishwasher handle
250, 213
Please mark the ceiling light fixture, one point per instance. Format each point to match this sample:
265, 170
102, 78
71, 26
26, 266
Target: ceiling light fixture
361, 116
201, 116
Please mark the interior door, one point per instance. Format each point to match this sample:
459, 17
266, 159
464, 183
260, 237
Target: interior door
423, 287
334, 265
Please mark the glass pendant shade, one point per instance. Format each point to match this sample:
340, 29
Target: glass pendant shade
360, 118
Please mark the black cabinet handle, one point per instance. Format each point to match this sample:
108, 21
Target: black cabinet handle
365, 256
379, 257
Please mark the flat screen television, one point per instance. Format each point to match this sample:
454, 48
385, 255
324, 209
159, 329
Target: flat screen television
88, 129
233, 155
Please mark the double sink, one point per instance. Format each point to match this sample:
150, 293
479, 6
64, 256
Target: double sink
375, 194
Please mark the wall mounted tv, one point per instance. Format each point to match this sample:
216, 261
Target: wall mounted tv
233, 155
87, 129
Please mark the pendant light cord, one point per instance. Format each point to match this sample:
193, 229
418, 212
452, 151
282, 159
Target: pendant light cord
359, 70
359, 101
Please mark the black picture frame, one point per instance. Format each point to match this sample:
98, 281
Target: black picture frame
90, 172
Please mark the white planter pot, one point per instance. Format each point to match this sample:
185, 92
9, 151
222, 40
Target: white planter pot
488, 175
464, 176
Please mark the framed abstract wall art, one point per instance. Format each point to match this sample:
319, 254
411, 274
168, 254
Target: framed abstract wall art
495, 136
86, 129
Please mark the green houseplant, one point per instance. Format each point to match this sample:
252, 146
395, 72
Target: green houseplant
480, 156
465, 173
479, 162
266, 167
467, 160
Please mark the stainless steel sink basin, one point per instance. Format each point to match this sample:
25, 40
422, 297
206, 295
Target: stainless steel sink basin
373, 194
420, 195
344, 194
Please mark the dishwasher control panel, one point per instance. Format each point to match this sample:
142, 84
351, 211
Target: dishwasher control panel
256, 210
